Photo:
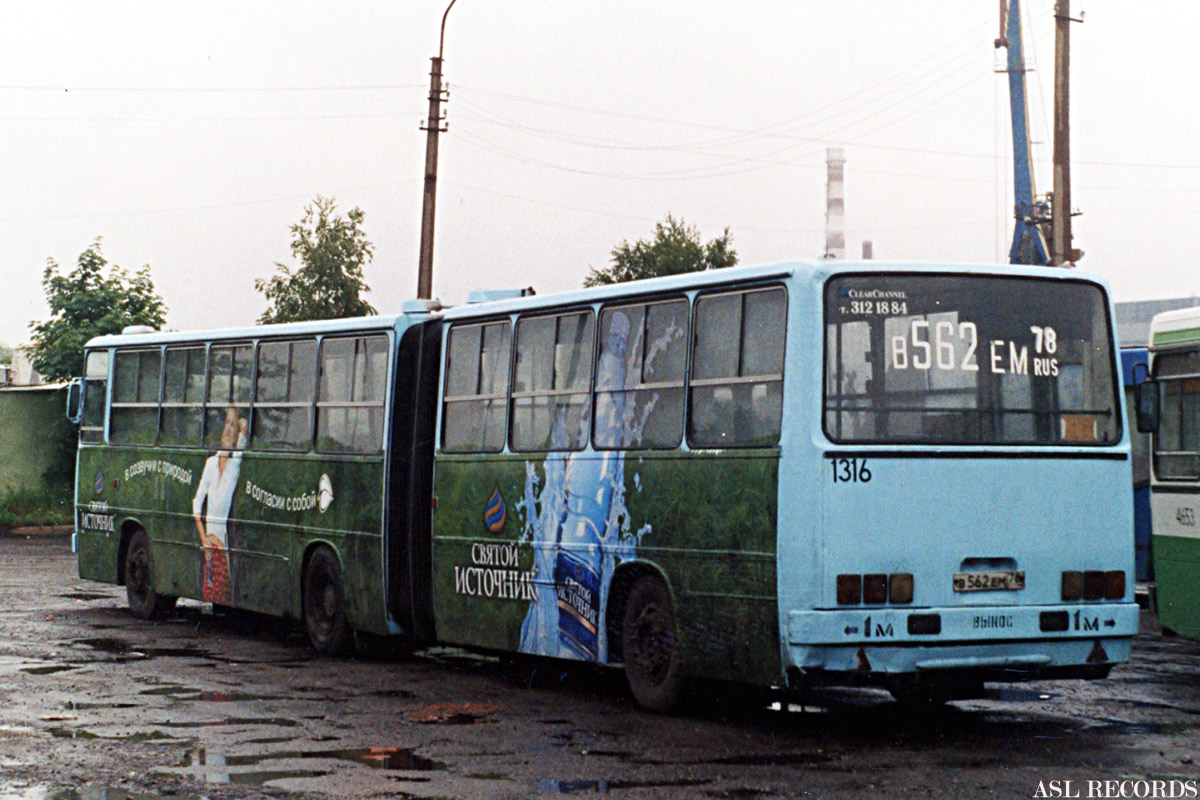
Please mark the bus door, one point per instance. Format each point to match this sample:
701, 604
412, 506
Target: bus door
410, 478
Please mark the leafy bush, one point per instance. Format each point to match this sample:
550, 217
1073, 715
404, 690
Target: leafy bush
35, 507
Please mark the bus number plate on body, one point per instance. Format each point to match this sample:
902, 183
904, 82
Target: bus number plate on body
989, 581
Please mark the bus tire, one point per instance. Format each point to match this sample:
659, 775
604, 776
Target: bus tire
651, 646
144, 602
325, 604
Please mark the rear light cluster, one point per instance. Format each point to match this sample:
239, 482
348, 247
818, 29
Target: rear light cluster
1093, 585
874, 589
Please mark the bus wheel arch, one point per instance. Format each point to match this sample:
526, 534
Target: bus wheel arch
127, 531
624, 577
128, 528
135, 571
643, 626
323, 600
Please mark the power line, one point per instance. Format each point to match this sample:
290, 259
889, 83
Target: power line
618, 215
212, 89
165, 120
205, 207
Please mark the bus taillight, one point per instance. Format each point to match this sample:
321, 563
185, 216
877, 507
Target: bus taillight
849, 590
1072, 585
1114, 584
1093, 585
875, 589
901, 586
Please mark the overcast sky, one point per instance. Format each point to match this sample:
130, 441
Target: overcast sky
190, 136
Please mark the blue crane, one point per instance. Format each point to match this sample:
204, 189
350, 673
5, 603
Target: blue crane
1032, 213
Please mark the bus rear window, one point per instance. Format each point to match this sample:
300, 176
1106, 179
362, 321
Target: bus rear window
954, 359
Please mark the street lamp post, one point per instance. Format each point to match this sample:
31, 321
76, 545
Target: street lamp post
432, 127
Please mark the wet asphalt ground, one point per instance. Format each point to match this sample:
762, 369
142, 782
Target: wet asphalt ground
97, 705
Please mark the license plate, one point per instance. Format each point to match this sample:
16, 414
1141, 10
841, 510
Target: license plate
989, 581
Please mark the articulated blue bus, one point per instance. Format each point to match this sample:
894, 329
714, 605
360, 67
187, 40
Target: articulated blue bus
906, 475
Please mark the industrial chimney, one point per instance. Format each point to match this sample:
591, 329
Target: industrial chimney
835, 204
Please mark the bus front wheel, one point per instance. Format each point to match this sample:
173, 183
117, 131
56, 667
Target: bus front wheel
651, 646
325, 604
143, 600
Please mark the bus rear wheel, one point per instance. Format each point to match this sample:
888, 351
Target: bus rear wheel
651, 646
144, 602
325, 604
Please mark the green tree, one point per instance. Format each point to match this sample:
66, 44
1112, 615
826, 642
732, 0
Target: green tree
85, 303
332, 251
675, 248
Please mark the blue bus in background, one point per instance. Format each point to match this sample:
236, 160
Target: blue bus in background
1131, 357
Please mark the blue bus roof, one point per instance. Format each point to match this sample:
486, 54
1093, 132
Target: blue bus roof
349, 325
415, 310
816, 270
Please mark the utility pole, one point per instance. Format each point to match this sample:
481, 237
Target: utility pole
432, 127
1060, 214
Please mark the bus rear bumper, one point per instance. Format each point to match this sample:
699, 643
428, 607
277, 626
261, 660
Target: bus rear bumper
1020, 642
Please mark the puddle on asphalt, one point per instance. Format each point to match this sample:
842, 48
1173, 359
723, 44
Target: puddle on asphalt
86, 596
376, 757
549, 786
271, 740
83, 733
390, 758
72, 733
1141, 728
277, 722
209, 763
191, 693
72, 705
50, 670
18, 790
1017, 695
125, 651
260, 778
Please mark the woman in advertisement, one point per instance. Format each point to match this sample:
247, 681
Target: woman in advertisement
217, 487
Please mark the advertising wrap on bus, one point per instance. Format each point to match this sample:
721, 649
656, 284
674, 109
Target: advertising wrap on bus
912, 476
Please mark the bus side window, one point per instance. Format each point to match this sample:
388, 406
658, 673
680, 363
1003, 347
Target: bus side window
183, 397
736, 395
476, 388
230, 376
95, 397
284, 394
639, 376
551, 394
350, 400
136, 376
1177, 440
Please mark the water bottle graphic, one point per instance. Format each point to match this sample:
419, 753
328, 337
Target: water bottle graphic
577, 592
588, 483
577, 522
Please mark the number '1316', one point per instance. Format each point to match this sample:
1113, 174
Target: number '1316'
850, 470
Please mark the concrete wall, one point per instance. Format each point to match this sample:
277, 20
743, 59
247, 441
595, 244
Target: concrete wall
30, 422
